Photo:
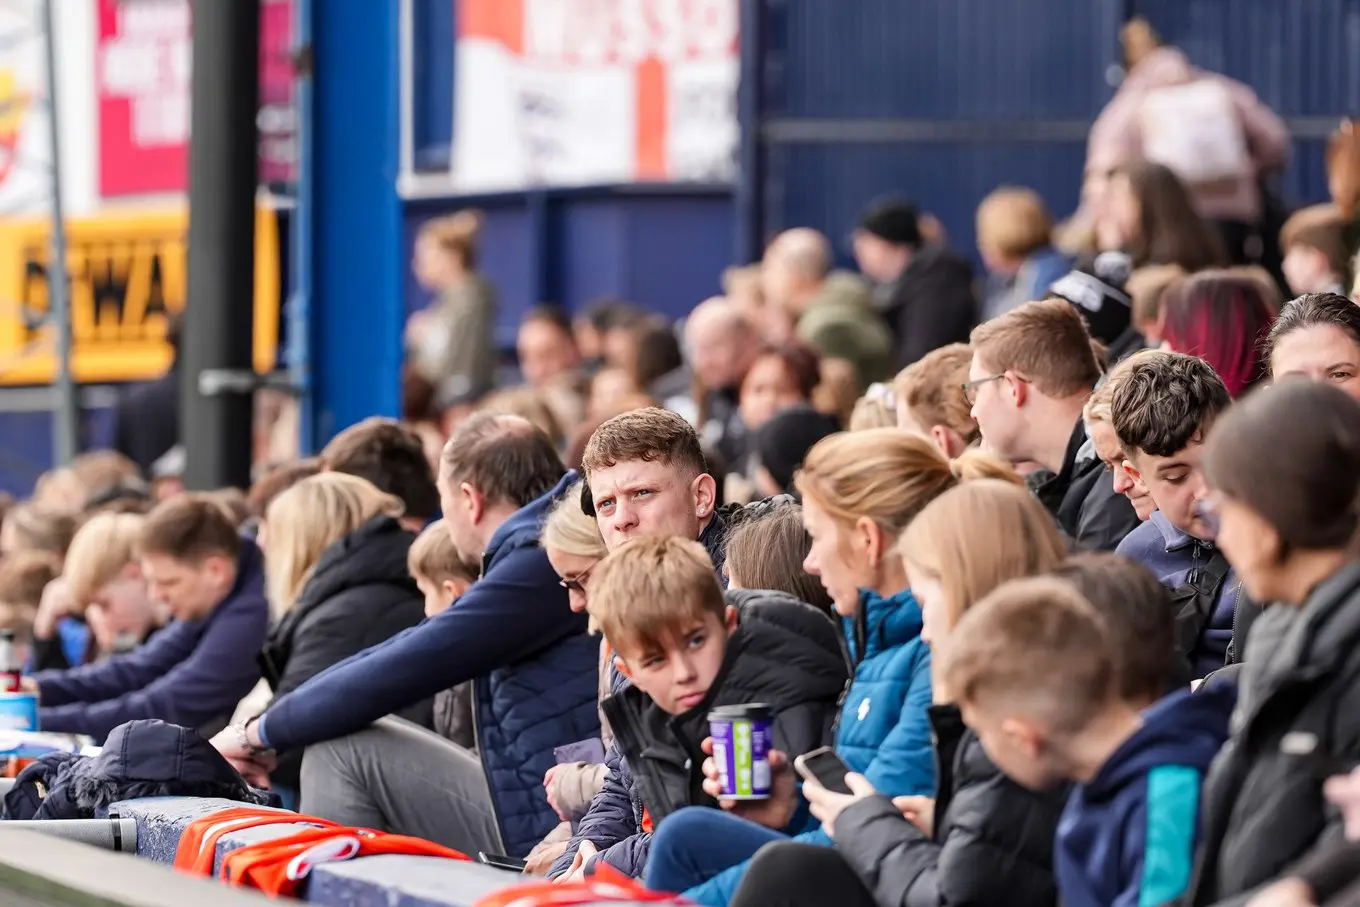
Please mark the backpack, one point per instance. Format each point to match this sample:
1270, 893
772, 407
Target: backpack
1194, 601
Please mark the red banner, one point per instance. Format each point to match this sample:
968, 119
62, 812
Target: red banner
142, 81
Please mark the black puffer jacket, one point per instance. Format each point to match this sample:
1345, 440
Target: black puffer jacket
993, 839
359, 595
1297, 722
784, 652
1082, 498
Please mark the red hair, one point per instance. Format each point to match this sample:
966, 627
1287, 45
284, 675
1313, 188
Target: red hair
1222, 318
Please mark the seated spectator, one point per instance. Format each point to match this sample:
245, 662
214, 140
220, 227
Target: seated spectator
512, 634
646, 474
609, 387
982, 839
779, 377
1098, 414
30, 527
1147, 213
1147, 287
1031, 375
876, 409
1036, 670
685, 651
195, 670
59, 491
931, 400
338, 584
101, 605
838, 391
832, 311
100, 471
924, 290
783, 442
23, 577
1015, 239
1224, 319
529, 405
546, 347
392, 458
860, 491
1316, 260
1317, 336
272, 483
1285, 516
655, 352
766, 550
1099, 295
745, 286
1163, 410
591, 326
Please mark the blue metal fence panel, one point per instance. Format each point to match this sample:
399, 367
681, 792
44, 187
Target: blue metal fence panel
432, 47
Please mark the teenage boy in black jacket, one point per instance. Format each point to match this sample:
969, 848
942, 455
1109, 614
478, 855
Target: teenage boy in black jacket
686, 650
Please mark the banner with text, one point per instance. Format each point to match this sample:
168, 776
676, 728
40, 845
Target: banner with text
572, 92
142, 70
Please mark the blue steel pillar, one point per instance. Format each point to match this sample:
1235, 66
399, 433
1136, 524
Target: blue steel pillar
348, 241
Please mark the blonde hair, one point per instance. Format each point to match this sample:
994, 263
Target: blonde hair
570, 529
434, 558
101, 549
873, 411
307, 519
530, 405
887, 475
38, 528
23, 577
932, 388
651, 590
1014, 222
979, 535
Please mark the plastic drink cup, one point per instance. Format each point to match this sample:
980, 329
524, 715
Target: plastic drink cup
741, 746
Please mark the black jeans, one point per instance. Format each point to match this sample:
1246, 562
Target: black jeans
801, 875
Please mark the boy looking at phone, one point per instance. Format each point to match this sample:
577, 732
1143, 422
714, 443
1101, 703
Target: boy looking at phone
1036, 671
683, 649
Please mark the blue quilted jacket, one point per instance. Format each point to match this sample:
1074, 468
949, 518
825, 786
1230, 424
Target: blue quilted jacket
534, 673
884, 729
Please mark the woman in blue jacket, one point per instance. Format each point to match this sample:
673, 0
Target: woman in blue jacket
860, 491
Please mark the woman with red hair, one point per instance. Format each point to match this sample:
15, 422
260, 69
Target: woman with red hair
1221, 317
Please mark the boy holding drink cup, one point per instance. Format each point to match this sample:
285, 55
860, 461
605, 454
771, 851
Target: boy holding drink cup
760, 664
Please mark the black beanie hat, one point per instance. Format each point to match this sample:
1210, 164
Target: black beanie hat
893, 219
1098, 293
782, 442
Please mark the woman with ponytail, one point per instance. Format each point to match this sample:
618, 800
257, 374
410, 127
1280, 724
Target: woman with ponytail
860, 492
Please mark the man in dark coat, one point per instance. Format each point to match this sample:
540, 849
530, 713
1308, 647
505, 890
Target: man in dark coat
533, 667
925, 291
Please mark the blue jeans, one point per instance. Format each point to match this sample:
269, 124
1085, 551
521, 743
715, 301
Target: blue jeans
697, 843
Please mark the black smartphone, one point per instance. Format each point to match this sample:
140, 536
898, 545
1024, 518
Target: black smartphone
824, 767
501, 861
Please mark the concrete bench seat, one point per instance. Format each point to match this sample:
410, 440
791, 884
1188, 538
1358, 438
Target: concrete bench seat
377, 881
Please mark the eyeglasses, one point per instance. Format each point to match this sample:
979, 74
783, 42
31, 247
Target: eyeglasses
970, 388
1207, 512
576, 583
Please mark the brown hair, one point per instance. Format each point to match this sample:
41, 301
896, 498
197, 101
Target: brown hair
24, 576
648, 591
526, 403
932, 388
100, 550
1014, 222
1311, 310
1137, 608
276, 480
434, 558
389, 455
1035, 646
1045, 342
190, 527
645, 434
233, 501
766, 550
1306, 487
456, 234
885, 474
1146, 287
1162, 403
979, 535
1170, 231
506, 458
1319, 227
838, 391
101, 470
40, 529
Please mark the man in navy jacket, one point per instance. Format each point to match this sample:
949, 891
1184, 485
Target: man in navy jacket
534, 671
194, 671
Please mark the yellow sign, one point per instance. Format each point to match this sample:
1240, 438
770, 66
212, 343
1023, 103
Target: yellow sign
127, 274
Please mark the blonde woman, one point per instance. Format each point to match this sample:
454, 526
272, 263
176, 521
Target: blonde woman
982, 839
335, 566
573, 544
